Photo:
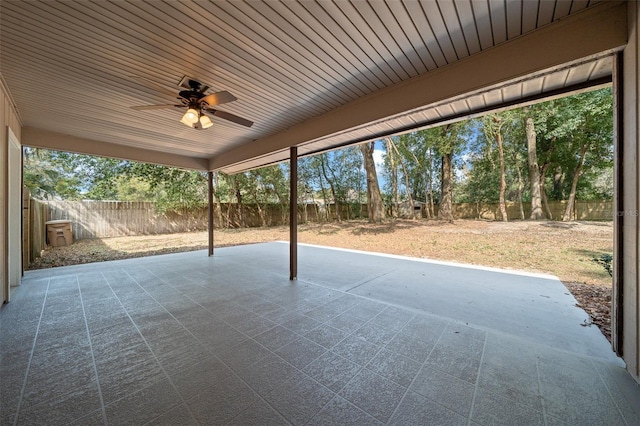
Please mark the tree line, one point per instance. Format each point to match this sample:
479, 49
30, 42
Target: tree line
556, 150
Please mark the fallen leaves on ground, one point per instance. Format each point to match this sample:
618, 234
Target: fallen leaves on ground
596, 302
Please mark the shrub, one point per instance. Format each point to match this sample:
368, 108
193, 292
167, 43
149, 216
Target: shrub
606, 261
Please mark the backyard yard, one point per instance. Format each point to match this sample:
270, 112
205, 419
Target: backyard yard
564, 249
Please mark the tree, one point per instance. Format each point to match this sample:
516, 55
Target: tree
402, 150
584, 134
330, 177
445, 210
57, 174
417, 172
534, 170
392, 165
307, 187
174, 188
493, 128
98, 174
375, 206
43, 175
520, 188
133, 189
341, 171
267, 186
447, 140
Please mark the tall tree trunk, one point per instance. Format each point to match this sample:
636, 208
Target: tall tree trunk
393, 166
543, 191
445, 210
261, 213
325, 198
228, 215
570, 210
333, 189
241, 222
432, 207
534, 171
503, 179
375, 206
558, 180
520, 184
284, 208
406, 181
305, 215
217, 205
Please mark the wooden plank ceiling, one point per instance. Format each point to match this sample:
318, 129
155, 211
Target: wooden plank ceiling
68, 64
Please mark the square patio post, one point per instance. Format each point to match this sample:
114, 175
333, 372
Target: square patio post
293, 214
210, 211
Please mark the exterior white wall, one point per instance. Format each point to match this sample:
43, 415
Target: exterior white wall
8, 119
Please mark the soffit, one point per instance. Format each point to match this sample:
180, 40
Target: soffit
67, 63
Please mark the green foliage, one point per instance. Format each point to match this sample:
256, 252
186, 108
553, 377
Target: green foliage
418, 157
52, 174
173, 188
606, 260
132, 188
568, 125
563, 127
337, 174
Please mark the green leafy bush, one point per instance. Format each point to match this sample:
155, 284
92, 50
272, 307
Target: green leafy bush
606, 260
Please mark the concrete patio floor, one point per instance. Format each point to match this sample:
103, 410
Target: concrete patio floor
358, 339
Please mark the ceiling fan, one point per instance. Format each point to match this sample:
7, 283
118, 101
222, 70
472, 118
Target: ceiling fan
200, 106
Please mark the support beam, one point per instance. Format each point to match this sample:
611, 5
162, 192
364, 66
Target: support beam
631, 196
293, 214
39, 138
210, 211
600, 28
617, 305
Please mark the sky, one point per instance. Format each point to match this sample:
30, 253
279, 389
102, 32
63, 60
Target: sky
378, 159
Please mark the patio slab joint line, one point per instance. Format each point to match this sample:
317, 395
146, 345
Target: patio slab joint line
368, 280
33, 348
93, 357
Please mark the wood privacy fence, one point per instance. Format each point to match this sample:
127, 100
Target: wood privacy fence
103, 219
584, 210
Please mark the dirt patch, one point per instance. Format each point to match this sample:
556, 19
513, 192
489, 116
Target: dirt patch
565, 250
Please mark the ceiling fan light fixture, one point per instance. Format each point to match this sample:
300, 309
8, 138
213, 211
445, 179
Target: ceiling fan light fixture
205, 121
190, 117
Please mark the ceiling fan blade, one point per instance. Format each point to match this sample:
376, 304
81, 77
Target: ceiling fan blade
154, 86
218, 98
146, 107
231, 117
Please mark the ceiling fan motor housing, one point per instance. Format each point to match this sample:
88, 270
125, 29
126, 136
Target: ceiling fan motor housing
191, 98
192, 85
